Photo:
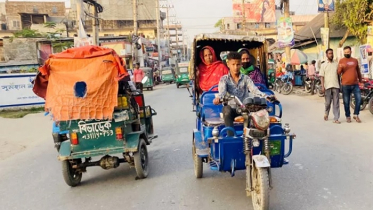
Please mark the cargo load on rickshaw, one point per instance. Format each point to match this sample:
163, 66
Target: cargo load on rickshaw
96, 111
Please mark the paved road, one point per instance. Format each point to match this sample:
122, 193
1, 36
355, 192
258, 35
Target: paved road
331, 166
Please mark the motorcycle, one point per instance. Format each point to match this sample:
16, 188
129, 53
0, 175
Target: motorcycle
284, 83
317, 88
366, 89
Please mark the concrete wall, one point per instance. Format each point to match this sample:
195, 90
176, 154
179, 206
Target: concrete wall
13, 8
20, 49
42, 29
122, 9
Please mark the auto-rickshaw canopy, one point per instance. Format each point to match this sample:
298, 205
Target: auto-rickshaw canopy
223, 43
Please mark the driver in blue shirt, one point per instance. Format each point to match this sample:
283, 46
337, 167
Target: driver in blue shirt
235, 84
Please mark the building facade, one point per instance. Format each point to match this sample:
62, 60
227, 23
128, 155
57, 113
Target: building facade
18, 15
117, 18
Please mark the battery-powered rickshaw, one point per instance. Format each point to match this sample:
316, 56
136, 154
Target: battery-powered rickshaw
259, 139
149, 83
97, 112
168, 75
182, 75
271, 72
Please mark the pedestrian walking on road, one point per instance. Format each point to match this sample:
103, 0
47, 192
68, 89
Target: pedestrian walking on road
311, 74
138, 75
330, 86
350, 73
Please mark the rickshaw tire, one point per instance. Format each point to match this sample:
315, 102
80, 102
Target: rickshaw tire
177, 85
68, 175
264, 189
141, 170
198, 164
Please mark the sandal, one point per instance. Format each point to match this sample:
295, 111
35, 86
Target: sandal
357, 119
326, 117
336, 122
348, 119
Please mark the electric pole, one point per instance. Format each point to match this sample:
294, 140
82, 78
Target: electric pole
95, 26
326, 26
177, 23
79, 17
287, 14
157, 12
168, 28
135, 28
243, 16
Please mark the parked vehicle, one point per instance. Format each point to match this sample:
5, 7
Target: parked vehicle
149, 83
284, 83
168, 75
366, 89
271, 73
111, 118
182, 74
259, 137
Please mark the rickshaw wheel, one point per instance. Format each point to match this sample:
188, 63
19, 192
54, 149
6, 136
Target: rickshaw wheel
198, 165
260, 194
141, 160
71, 176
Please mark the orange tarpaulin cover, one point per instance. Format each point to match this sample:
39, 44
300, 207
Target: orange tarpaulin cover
97, 68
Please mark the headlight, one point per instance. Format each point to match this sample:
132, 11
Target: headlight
256, 143
261, 119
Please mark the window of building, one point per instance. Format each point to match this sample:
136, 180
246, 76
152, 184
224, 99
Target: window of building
228, 26
16, 24
267, 25
238, 25
35, 9
256, 25
54, 10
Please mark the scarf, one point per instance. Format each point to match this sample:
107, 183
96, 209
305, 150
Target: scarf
210, 74
247, 70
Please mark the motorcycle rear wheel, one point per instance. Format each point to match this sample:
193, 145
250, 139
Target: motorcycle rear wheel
352, 103
287, 88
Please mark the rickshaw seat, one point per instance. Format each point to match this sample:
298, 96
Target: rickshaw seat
213, 121
207, 98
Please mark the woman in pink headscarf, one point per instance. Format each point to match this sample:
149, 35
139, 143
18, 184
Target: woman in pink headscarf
211, 69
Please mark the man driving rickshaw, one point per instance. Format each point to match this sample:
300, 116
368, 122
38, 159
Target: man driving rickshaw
237, 84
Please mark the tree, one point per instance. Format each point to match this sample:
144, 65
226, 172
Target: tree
355, 16
219, 24
27, 33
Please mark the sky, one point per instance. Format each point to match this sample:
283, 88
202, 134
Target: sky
200, 16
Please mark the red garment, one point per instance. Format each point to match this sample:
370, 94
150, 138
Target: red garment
138, 75
209, 75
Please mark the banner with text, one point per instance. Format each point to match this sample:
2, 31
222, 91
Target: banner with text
364, 68
16, 90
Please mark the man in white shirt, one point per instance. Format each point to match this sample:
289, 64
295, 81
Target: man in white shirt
330, 85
